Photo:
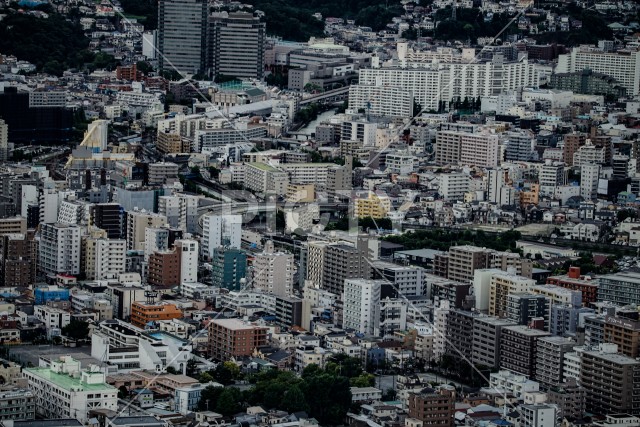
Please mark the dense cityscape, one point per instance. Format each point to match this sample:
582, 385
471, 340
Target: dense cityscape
364, 213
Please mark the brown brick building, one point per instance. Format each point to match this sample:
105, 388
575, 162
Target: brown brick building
435, 408
574, 281
164, 269
19, 255
234, 338
623, 332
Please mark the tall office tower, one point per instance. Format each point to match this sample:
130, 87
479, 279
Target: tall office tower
235, 44
59, 250
188, 252
273, 271
220, 230
182, 35
4, 141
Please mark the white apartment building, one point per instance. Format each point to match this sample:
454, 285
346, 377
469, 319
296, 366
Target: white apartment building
440, 322
188, 250
510, 382
432, 82
378, 100
409, 280
453, 186
401, 163
59, 249
273, 271
73, 212
159, 172
220, 230
110, 258
129, 348
361, 305
552, 175
624, 66
197, 290
156, 239
359, 130
64, 390
308, 173
559, 295
264, 178
589, 178
181, 211
53, 318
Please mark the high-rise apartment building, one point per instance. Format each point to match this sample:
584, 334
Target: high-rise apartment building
624, 66
228, 267
235, 45
18, 259
188, 252
518, 349
486, 340
220, 230
361, 305
109, 217
273, 271
572, 143
181, 211
182, 28
343, 261
164, 269
523, 307
500, 286
4, 141
137, 223
549, 361
464, 260
465, 148
59, 249
612, 381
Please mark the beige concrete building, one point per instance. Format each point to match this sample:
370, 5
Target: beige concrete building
503, 284
137, 223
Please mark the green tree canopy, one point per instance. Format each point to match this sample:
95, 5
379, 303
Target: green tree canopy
76, 329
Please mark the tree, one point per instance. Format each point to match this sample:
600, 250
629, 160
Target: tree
329, 398
209, 398
144, 67
389, 394
229, 401
294, 400
123, 392
172, 370
363, 380
76, 329
192, 366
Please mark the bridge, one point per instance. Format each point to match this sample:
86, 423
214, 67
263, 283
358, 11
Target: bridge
329, 96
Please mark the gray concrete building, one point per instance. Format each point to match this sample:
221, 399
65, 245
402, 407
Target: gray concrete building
549, 359
486, 340
182, 35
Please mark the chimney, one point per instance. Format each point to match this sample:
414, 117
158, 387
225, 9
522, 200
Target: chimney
574, 272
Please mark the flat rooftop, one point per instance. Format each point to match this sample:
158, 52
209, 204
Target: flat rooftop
66, 381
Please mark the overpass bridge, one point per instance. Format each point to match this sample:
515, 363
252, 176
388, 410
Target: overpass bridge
329, 96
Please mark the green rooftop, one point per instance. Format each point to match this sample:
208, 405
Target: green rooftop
67, 382
264, 167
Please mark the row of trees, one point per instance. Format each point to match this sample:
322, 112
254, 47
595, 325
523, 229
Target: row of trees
442, 239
